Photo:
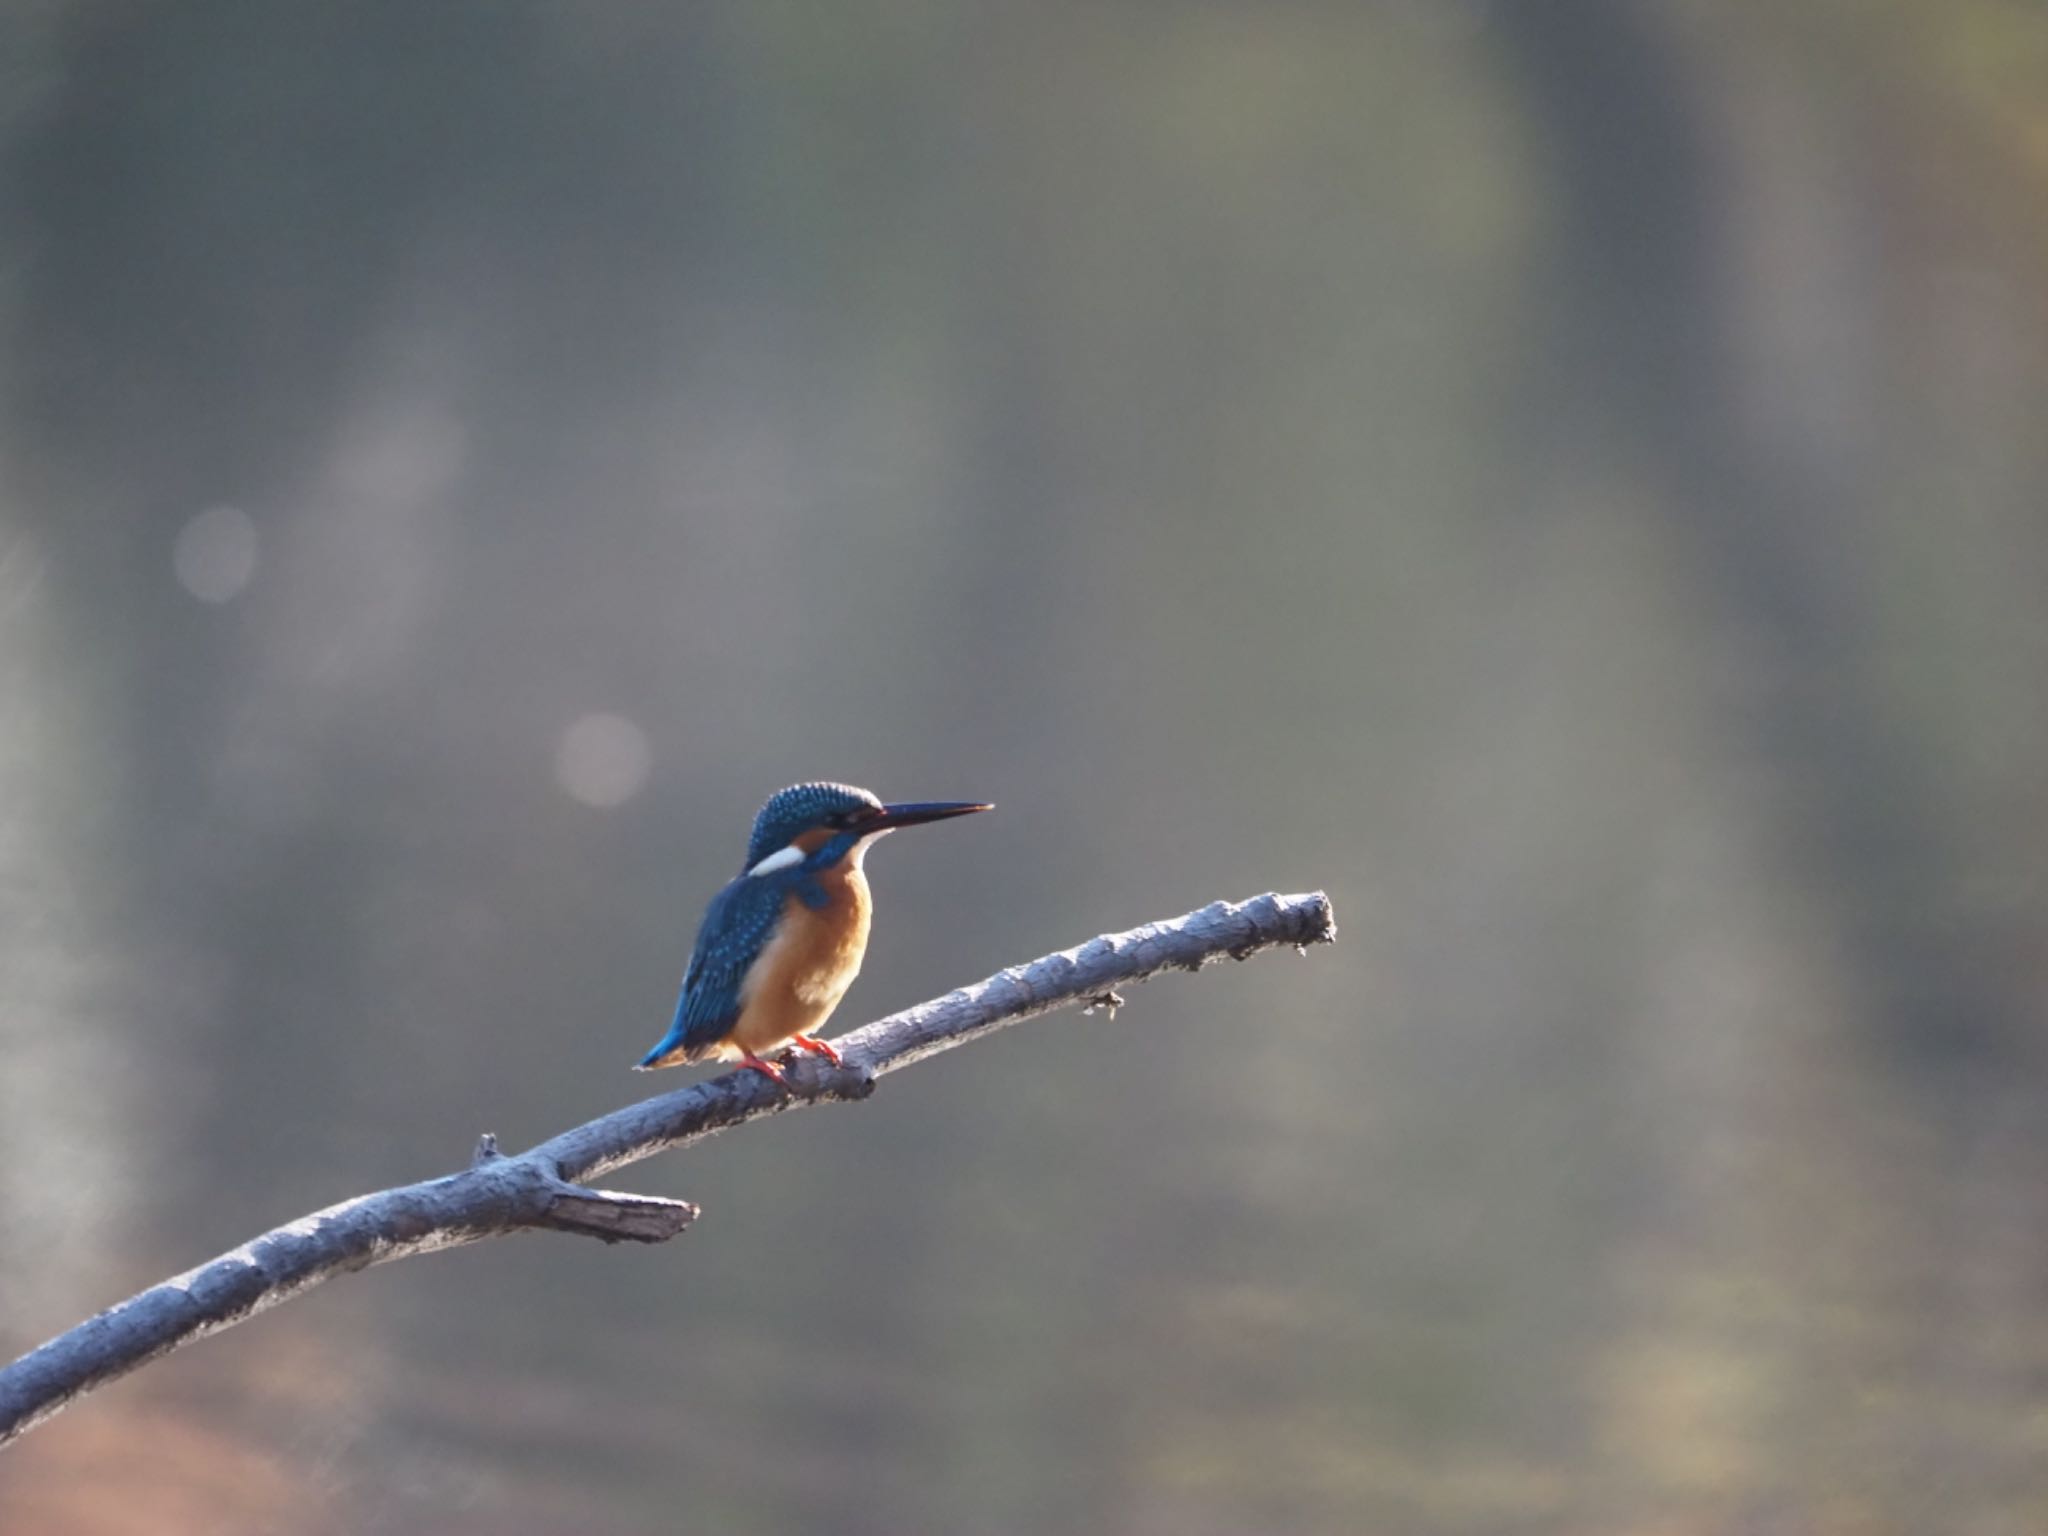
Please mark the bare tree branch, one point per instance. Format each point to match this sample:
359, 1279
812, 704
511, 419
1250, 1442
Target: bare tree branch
542, 1189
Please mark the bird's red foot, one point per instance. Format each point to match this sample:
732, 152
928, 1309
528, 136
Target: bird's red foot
767, 1069
817, 1048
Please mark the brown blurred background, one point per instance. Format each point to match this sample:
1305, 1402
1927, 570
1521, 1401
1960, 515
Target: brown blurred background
1569, 478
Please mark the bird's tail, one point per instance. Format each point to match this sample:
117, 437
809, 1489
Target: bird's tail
670, 1052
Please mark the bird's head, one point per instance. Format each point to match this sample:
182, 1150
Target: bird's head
807, 819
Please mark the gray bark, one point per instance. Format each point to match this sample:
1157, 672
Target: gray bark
542, 1187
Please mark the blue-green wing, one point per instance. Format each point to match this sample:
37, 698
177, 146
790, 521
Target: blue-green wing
736, 926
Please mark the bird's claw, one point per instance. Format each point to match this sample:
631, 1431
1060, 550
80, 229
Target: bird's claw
817, 1048
767, 1069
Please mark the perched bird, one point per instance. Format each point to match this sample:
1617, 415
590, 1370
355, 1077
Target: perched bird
780, 945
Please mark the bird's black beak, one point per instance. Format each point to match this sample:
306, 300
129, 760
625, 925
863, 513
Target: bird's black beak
916, 812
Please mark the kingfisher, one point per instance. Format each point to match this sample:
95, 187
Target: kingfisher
780, 945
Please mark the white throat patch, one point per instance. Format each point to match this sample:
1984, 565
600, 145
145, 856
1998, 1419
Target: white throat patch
858, 856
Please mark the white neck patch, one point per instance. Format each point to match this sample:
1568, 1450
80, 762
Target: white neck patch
781, 858
790, 857
859, 854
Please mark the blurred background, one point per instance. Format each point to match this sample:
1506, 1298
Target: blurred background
1569, 479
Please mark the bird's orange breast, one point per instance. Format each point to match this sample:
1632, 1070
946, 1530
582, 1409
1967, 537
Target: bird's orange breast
804, 971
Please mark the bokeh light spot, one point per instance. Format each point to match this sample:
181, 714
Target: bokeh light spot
215, 554
603, 760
